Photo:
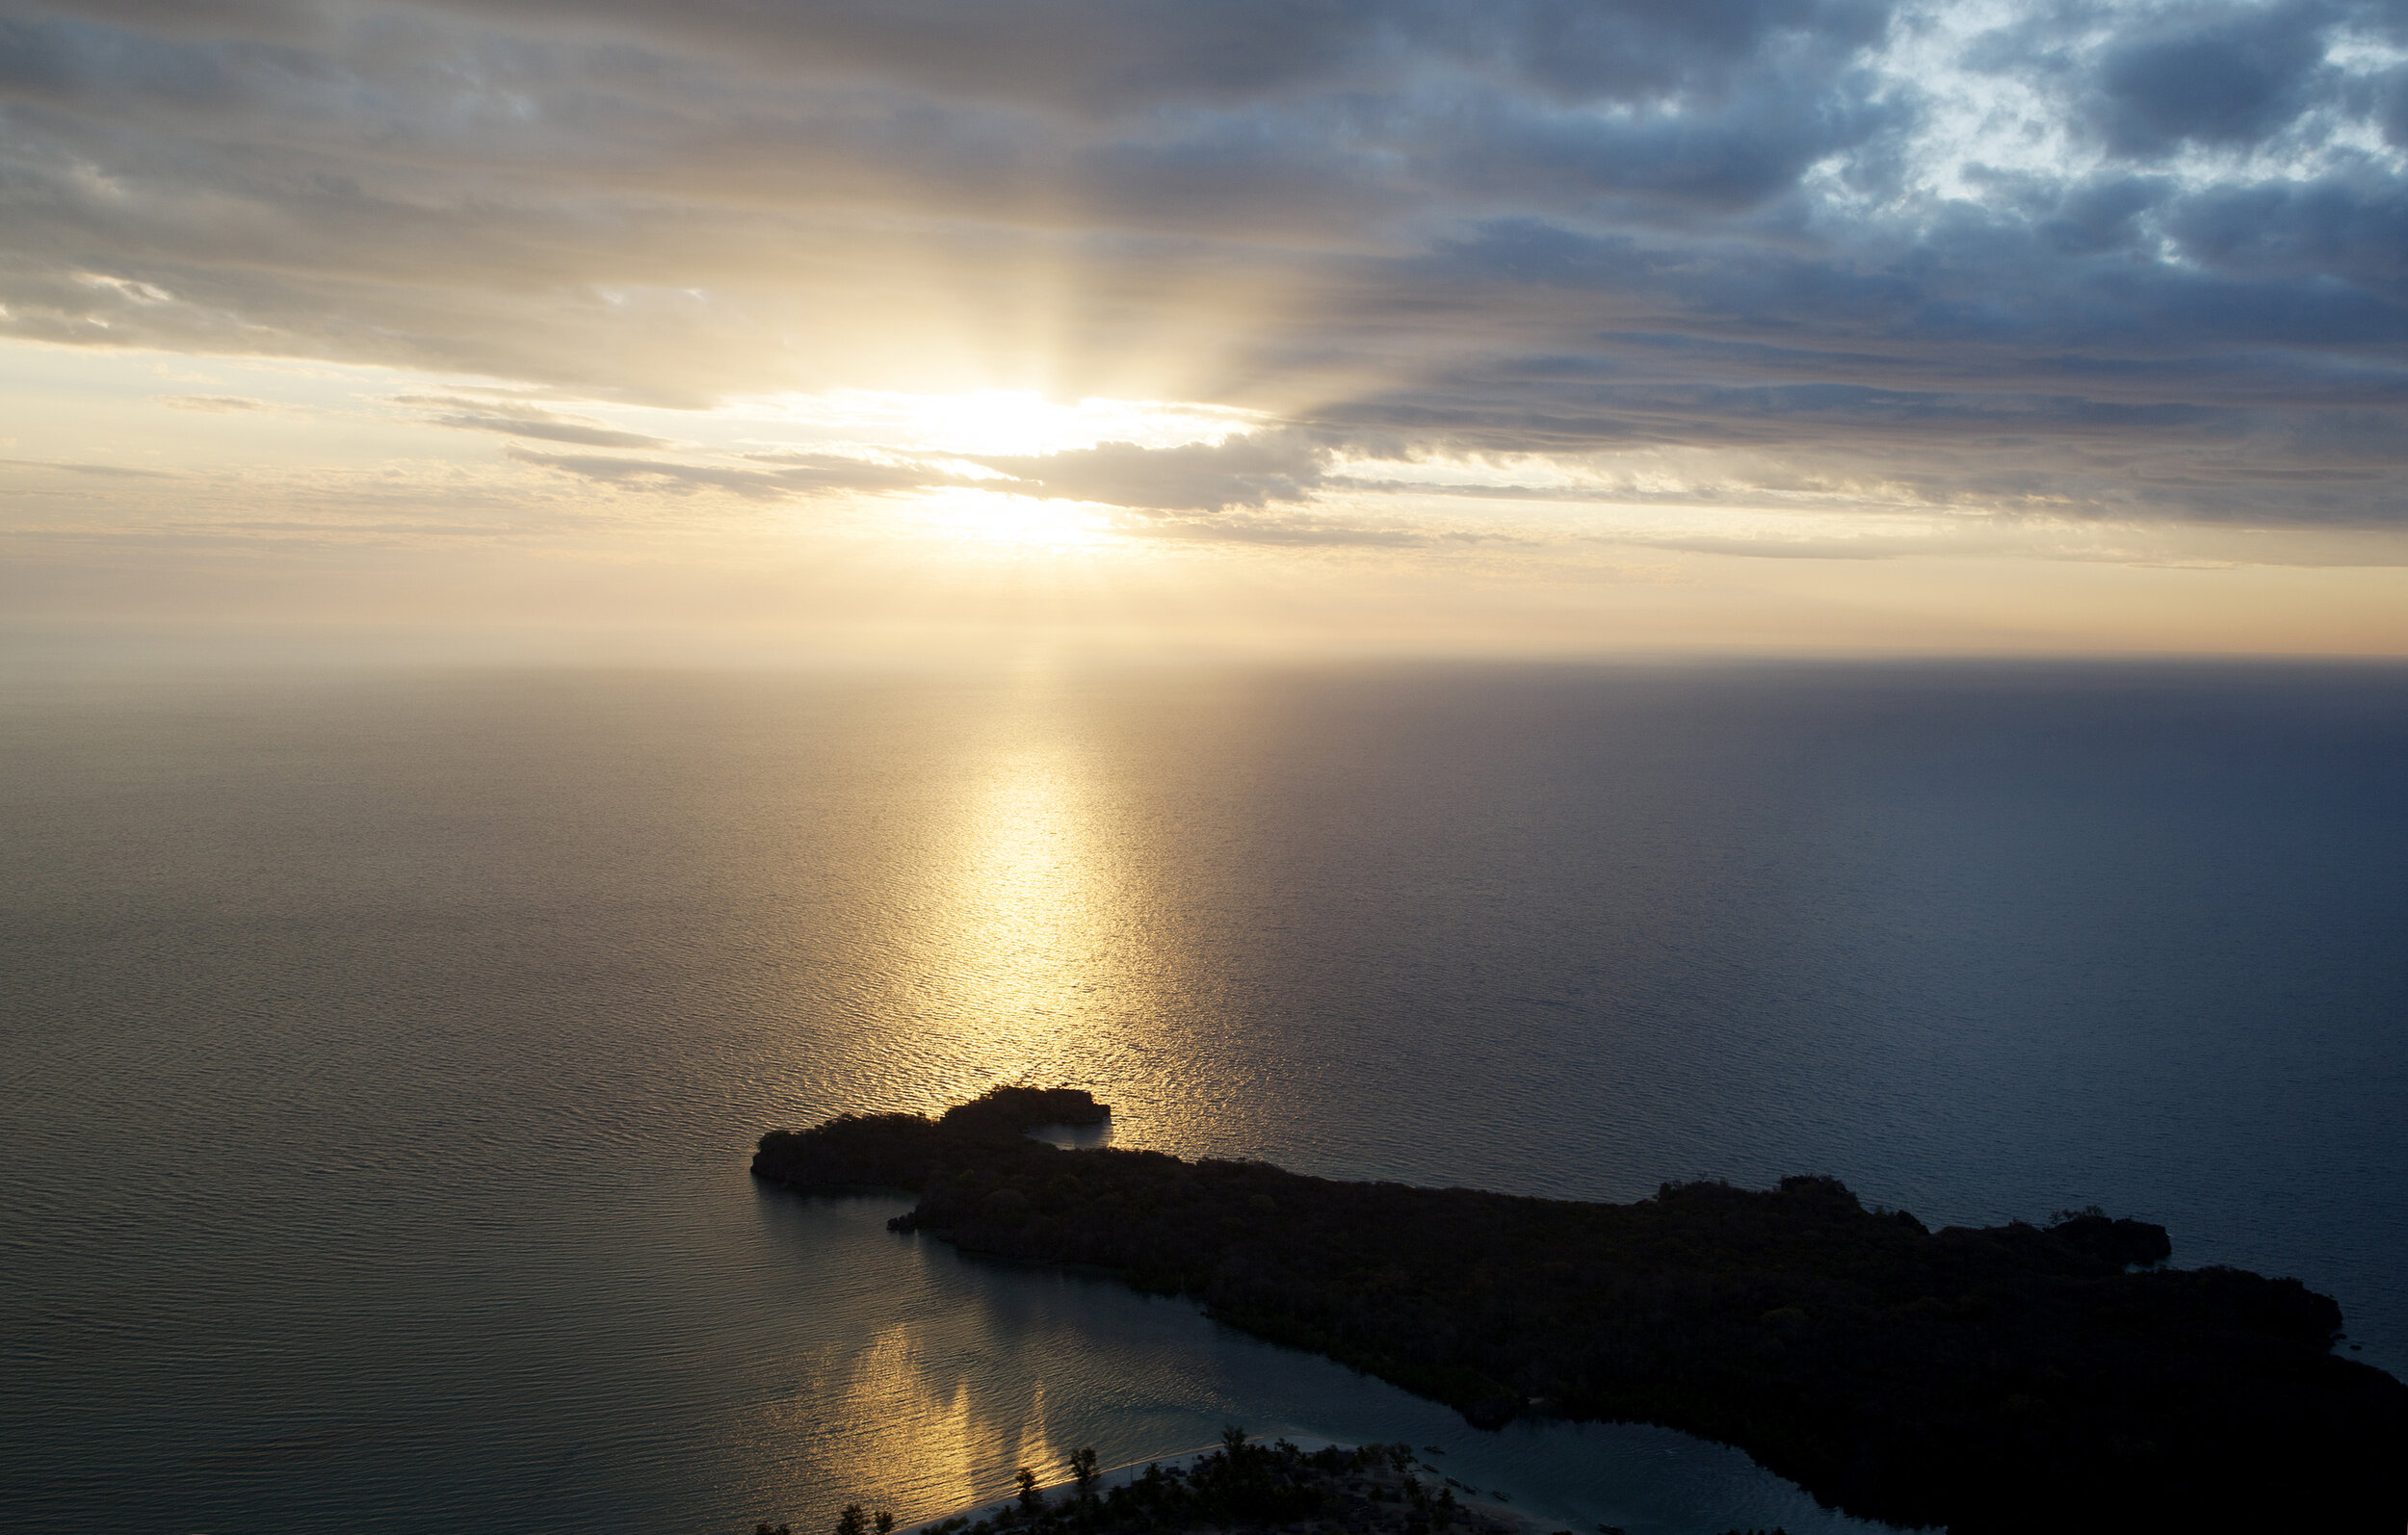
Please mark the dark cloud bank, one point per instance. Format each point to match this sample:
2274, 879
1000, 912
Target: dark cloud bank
1752, 228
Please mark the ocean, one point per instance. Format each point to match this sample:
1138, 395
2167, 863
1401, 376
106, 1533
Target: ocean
382, 1048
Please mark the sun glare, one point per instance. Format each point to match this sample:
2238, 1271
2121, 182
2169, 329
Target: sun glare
987, 516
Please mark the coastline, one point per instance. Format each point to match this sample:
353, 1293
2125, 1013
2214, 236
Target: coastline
1481, 1516
1893, 1372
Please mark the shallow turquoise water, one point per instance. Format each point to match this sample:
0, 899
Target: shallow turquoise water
381, 1051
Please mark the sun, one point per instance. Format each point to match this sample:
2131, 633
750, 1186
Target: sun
1024, 522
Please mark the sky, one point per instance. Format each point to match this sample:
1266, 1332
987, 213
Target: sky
1524, 327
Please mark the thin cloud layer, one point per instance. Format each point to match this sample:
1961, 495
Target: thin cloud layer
2128, 260
1252, 471
1248, 472
526, 421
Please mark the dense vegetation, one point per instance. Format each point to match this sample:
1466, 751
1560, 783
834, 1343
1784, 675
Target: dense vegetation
1368, 1489
2010, 1378
1337, 1490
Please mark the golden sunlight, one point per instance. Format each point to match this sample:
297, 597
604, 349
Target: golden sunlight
988, 516
991, 421
1025, 935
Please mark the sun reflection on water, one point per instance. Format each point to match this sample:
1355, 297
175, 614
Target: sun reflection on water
917, 1418
1054, 939
1024, 937
1019, 930
933, 1416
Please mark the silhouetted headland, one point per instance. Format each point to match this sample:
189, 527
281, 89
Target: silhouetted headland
2008, 1378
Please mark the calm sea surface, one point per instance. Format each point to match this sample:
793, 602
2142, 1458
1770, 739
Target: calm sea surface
380, 1053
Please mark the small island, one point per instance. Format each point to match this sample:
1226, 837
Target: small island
2008, 1378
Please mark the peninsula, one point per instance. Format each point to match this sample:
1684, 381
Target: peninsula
2003, 1379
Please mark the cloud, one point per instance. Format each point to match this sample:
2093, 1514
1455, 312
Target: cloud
1132, 56
823, 473
2211, 75
656, 475
1251, 470
527, 421
2124, 259
795, 473
1286, 533
101, 471
214, 404
551, 431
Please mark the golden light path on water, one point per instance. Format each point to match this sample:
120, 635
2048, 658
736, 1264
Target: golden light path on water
918, 1428
938, 1379
1049, 941
1027, 930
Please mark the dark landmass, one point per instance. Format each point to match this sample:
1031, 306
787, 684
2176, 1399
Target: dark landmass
2004, 1379
1365, 1489
1337, 1490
